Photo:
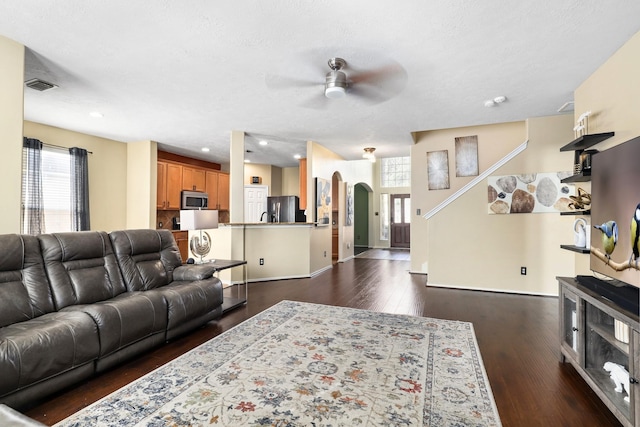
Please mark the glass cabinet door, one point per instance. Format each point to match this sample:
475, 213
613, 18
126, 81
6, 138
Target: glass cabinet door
570, 313
607, 356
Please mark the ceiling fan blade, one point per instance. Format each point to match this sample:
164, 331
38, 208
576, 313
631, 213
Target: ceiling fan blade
385, 72
274, 81
378, 85
317, 102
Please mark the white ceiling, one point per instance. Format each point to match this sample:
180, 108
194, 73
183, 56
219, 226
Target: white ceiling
187, 73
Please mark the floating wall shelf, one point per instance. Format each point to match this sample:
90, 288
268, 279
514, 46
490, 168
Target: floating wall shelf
585, 141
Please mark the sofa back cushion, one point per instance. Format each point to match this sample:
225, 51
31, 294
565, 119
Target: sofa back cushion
81, 267
147, 258
24, 289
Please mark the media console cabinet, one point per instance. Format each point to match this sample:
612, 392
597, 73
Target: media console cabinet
595, 330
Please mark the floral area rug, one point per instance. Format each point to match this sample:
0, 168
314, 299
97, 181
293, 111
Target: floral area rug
300, 364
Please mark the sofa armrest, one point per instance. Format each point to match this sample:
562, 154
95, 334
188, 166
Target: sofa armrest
193, 272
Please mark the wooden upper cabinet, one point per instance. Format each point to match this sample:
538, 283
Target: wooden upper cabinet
212, 189
223, 191
177, 173
303, 184
193, 179
174, 181
218, 190
169, 185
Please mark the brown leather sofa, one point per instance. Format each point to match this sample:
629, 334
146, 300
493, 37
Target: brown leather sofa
74, 304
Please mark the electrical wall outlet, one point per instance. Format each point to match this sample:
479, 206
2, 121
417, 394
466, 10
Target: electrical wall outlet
261, 261
325, 254
523, 271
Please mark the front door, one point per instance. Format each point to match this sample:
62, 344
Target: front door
400, 220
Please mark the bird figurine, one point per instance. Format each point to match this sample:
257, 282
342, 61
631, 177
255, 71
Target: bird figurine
609, 237
635, 236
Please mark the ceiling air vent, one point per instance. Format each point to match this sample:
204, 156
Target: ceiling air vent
40, 85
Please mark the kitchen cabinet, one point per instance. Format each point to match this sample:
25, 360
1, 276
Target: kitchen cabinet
217, 187
223, 191
193, 179
168, 186
182, 240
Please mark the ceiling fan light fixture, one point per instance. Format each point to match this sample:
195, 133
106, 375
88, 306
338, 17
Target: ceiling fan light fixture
368, 154
335, 85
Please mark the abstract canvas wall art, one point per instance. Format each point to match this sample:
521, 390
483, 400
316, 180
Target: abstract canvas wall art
438, 170
323, 201
529, 193
467, 155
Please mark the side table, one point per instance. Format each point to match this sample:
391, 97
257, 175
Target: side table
234, 295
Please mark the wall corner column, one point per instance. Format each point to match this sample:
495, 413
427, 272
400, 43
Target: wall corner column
11, 132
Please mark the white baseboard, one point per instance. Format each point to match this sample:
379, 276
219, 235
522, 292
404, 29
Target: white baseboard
502, 291
322, 270
269, 279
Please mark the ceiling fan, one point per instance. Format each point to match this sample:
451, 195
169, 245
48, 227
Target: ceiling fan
373, 86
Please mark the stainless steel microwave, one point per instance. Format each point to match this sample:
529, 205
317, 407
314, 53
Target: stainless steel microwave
194, 200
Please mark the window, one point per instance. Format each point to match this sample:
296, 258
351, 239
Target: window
54, 189
384, 216
395, 172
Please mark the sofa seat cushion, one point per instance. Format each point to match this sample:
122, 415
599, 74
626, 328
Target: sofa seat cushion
125, 319
44, 347
190, 300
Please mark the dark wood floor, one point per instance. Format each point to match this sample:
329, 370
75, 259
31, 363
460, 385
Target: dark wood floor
517, 336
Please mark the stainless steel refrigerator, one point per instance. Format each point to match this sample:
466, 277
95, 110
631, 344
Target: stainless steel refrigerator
284, 209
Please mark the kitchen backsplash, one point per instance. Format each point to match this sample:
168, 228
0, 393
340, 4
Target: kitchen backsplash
166, 218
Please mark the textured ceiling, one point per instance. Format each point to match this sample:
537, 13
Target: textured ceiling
185, 74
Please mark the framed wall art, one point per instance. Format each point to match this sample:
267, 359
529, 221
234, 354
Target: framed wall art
438, 170
529, 193
323, 201
467, 155
349, 205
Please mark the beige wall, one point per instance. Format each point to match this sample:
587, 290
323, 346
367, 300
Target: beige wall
612, 94
291, 181
142, 182
107, 172
494, 142
263, 171
468, 248
11, 117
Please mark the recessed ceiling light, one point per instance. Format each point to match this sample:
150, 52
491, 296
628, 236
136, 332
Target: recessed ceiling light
297, 156
247, 161
205, 149
263, 142
96, 114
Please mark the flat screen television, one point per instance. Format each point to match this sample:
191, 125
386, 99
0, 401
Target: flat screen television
615, 193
